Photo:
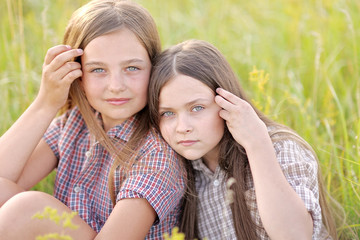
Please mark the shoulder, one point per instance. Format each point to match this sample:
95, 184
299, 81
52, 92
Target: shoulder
293, 153
158, 169
70, 117
68, 125
295, 159
290, 147
65, 131
154, 143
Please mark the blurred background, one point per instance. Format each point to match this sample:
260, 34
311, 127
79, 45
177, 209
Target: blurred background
298, 60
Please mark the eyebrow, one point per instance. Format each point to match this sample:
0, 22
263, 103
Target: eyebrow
94, 63
126, 62
186, 104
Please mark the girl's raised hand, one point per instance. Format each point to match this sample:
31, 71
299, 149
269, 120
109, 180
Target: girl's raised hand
59, 71
241, 119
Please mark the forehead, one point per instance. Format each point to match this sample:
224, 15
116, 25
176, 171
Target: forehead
121, 43
184, 89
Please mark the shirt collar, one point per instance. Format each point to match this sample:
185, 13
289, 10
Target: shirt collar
124, 130
200, 166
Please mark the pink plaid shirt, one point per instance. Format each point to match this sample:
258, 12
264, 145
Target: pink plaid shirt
83, 169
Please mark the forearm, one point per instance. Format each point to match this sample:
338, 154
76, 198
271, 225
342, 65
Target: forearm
130, 219
8, 190
18, 143
282, 211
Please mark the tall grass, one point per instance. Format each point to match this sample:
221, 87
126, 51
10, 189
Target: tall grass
309, 48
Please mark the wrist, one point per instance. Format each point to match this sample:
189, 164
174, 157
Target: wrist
44, 109
258, 141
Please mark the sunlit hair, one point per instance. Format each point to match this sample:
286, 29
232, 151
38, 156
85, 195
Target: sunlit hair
95, 19
202, 61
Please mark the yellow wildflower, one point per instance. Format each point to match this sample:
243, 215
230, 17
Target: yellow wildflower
175, 235
53, 215
67, 223
54, 236
260, 77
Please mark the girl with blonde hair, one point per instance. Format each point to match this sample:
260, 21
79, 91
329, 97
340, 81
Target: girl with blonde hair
113, 168
248, 176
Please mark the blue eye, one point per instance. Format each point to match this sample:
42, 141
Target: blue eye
98, 70
197, 108
167, 114
132, 68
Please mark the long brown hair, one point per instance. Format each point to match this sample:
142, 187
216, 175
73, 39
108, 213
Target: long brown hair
202, 61
94, 19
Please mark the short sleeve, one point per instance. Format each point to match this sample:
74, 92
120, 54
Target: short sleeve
64, 131
160, 182
300, 168
52, 135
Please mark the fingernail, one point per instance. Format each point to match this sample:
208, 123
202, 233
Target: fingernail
68, 46
79, 50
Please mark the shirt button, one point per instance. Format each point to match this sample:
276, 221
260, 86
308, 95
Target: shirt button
216, 182
88, 154
77, 189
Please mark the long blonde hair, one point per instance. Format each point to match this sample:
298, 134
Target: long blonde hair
94, 19
202, 61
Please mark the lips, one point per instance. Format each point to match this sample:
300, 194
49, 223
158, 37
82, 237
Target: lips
117, 101
187, 143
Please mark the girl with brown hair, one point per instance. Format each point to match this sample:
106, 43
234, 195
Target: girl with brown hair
248, 176
113, 168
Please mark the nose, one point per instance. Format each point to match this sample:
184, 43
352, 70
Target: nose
183, 124
116, 83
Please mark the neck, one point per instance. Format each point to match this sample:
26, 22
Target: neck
211, 160
211, 165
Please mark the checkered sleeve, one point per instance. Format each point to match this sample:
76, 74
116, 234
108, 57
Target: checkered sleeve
52, 135
300, 169
157, 179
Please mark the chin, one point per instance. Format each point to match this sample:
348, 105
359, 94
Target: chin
191, 157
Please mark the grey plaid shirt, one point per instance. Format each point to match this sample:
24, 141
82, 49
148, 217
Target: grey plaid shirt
215, 218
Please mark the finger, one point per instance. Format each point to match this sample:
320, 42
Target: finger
67, 68
63, 58
223, 103
228, 96
71, 76
224, 114
54, 51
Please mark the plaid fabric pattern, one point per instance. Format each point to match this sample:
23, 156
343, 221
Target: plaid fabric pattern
215, 218
83, 169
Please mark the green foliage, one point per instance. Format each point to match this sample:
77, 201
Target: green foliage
308, 48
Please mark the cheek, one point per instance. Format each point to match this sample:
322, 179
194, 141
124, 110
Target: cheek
140, 87
165, 131
144, 91
141, 80
89, 86
217, 125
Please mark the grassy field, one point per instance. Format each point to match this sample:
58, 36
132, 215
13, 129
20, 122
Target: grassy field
306, 54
